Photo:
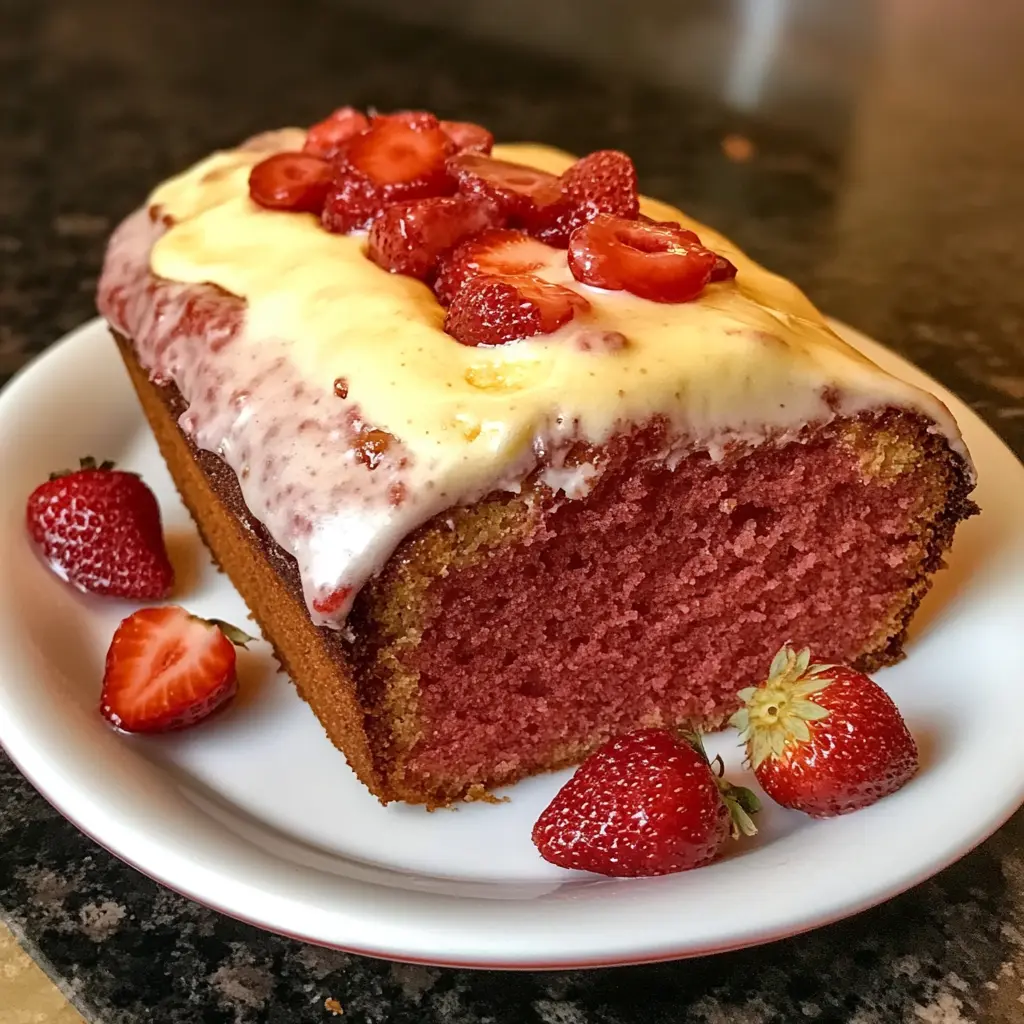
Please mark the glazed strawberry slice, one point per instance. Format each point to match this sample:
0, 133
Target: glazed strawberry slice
167, 669
517, 188
499, 251
643, 804
494, 310
409, 238
351, 204
400, 157
291, 181
824, 739
99, 529
664, 264
602, 182
724, 269
403, 156
326, 138
468, 137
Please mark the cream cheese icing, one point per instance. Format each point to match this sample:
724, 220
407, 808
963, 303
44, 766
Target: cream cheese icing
748, 360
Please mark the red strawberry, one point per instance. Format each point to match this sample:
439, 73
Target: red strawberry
352, 202
291, 181
468, 137
603, 182
493, 310
403, 155
517, 188
500, 251
824, 739
664, 264
99, 529
167, 669
643, 804
326, 138
723, 270
408, 238
400, 157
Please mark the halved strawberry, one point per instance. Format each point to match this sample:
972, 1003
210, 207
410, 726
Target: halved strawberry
291, 181
168, 669
468, 137
408, 238
499, 251
403, 156
664, 264
326, 138
493, 310
602, 182
517, 188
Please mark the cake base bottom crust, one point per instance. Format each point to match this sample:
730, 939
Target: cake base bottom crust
513, 636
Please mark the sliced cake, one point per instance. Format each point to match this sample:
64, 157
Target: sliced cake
506, 459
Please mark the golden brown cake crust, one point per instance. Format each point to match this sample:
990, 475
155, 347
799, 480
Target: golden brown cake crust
356, 685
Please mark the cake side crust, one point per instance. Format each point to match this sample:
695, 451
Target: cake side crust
314, 657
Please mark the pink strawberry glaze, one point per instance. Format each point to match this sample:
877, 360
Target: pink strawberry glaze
289, 441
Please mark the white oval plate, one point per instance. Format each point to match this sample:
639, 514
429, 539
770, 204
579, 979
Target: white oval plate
255, 814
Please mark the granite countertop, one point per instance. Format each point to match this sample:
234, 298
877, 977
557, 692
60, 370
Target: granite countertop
873, 152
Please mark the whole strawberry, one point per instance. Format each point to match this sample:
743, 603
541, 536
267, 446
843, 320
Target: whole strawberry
824, 739
99, 529
643, 804
168, 669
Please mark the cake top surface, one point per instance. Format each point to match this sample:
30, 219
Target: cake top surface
738, 356
746, 360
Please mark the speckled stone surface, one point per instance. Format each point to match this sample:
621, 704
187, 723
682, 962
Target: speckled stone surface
896, 198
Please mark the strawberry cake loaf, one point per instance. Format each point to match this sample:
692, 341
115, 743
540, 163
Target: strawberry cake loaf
507, 459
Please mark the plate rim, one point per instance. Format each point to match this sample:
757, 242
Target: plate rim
198, 894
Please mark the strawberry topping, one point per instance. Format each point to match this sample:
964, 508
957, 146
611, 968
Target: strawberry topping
403, 156
167, 669
291, 181
664, 264
400, 157
517, 188
441, 209
99, 529
603, 182
408, 238
326, 138
352, 202
468, 137
500, 251
723, 270
493, 310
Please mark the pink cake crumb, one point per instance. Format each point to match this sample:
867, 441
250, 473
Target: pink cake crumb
659, 596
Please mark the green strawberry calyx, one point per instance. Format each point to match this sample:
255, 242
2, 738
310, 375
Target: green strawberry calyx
740, 801
776, 714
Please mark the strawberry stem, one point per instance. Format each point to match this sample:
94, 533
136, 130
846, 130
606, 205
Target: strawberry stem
237, 636
740, 801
